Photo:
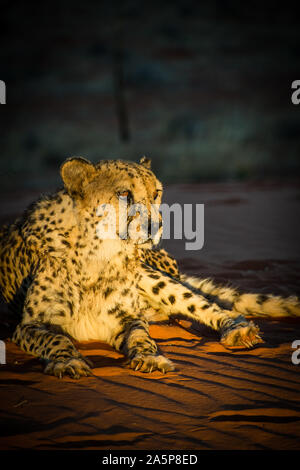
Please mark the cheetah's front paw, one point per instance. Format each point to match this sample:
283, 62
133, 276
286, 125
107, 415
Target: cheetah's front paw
74, 367
149, 363
242, 336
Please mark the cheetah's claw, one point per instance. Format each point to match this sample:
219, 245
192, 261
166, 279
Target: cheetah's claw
245, 336
74, 367
150, 363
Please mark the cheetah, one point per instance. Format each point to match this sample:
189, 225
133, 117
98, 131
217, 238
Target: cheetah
68, 283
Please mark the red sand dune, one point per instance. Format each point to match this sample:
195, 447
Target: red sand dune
216, 398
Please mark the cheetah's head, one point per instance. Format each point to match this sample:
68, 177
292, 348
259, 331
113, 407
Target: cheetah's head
115, 199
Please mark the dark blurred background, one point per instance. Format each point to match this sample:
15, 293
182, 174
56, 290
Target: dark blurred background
203, 88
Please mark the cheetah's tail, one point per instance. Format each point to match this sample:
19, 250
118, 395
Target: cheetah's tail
259, 305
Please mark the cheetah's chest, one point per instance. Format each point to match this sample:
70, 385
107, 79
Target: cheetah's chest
102, 309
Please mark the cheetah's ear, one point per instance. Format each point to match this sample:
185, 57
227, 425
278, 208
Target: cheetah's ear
146, 162
75, 172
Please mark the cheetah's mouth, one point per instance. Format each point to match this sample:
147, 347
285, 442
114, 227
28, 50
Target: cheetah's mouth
145, 239
152, 239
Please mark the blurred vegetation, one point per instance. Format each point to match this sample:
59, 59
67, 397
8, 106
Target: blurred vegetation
206, 87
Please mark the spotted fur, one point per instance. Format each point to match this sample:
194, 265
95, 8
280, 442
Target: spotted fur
68, 284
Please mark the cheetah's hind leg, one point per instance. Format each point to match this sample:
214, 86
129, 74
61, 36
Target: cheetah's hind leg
62, 358
74, 367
